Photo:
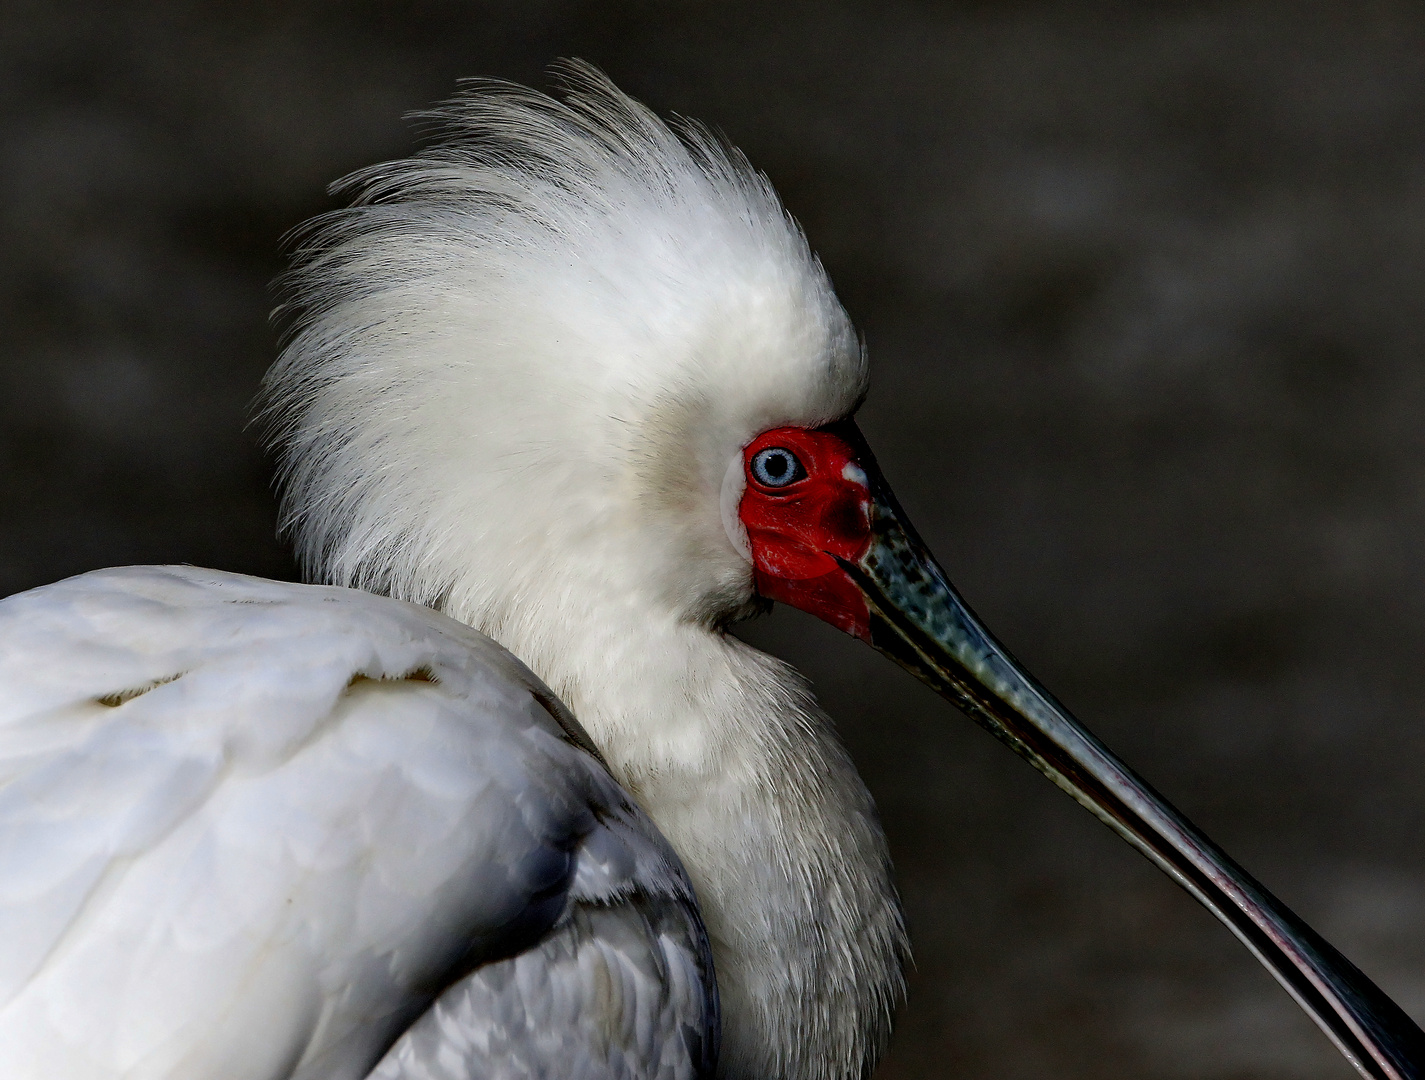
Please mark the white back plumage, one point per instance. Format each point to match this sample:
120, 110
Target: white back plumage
250, 830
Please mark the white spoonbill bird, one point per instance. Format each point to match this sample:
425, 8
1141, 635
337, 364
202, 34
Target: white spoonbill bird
569, 381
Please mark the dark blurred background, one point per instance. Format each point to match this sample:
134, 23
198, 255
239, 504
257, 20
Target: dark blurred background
1142, 284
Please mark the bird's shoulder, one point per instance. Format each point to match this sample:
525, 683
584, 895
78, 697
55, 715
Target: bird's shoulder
192, 637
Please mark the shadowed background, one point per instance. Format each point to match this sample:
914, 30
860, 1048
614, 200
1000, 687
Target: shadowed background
1142, 289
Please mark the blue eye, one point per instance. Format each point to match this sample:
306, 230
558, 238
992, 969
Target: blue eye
777, 467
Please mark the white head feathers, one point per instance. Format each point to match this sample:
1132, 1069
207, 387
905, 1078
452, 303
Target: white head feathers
523, 360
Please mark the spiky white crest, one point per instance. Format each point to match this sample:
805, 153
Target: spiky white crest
541, 341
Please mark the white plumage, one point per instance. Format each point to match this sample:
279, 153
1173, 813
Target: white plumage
521, 368
252, 830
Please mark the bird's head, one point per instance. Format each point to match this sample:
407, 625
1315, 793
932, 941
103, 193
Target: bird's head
573, 367
524, 366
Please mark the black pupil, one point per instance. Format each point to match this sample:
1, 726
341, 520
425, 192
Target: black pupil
777, 467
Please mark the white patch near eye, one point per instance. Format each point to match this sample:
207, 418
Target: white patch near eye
734, 482
855, 474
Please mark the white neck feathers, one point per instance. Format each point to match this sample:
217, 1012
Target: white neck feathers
726, 750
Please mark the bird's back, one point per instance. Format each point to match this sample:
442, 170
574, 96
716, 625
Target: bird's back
256, 830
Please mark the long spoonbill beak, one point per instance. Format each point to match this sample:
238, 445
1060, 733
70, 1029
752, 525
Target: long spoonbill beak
825, 534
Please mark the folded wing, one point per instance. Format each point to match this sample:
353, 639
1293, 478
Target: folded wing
253, 830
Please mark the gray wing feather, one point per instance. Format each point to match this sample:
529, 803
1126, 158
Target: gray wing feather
620, 989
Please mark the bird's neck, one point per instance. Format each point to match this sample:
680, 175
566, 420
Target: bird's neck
725, 749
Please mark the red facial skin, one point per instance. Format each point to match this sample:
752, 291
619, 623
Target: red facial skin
796, 530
